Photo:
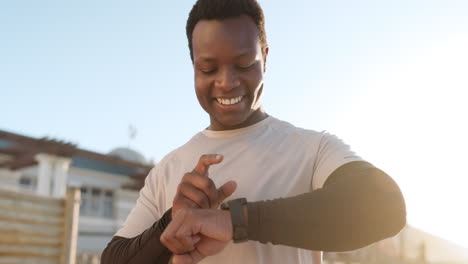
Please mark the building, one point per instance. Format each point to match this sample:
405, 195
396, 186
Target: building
109, 183
410, 246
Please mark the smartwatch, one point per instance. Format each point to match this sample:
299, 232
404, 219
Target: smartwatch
238, 219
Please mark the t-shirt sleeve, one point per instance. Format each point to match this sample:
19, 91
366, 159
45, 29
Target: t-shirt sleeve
148, 208
332, 153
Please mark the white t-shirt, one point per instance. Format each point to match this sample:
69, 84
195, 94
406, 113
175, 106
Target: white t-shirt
268, 160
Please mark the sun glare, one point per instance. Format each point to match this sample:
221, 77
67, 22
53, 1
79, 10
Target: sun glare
415, 113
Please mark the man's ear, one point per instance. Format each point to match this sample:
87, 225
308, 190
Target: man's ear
265, 55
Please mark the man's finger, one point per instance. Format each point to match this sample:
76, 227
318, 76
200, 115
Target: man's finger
181, 201
203, 183
187, 240
182, 259
196, 255
171, 237
189, 192
205, 162
192, 257
173, 244
224, 192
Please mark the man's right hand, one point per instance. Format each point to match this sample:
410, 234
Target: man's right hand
197, 190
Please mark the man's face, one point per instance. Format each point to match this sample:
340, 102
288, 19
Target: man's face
229, 67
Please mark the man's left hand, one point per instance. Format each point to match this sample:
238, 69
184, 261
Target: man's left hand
194, 234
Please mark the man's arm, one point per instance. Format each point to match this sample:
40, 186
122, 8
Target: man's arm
145, 248
358, 205
196, 190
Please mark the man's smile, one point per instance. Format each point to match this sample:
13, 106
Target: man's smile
229, 101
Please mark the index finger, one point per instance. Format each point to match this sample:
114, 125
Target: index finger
206, 161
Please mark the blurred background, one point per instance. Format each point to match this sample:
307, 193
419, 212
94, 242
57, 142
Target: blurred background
93, 94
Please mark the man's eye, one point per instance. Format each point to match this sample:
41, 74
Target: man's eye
207, 71
245, 67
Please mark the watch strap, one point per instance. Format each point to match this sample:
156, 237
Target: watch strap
238, 218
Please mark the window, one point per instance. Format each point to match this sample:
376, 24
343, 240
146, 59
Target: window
27, 183
96, 202
107, 204
84, 200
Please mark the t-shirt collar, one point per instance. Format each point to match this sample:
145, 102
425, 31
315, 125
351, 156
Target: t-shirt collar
239, 131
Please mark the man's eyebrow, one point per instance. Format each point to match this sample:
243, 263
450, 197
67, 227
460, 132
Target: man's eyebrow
243, 54
207, 59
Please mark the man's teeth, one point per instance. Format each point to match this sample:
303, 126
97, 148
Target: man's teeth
229, 101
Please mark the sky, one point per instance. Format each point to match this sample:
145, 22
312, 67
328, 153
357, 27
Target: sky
388, 77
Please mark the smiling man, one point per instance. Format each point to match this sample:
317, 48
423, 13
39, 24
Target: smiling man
229, 63
292, 192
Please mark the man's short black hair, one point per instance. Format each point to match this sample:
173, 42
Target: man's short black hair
223, 9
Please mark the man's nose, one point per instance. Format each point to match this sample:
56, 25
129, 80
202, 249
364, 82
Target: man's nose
227, 79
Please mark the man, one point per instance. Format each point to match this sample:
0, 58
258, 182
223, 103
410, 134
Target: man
303, 191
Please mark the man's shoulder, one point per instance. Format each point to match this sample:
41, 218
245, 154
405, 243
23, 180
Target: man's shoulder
287, 128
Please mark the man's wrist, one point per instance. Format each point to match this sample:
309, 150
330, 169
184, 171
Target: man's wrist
228, 221
165, 220
239, 219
